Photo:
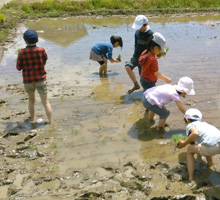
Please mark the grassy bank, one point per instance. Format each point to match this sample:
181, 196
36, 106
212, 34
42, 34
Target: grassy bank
17, 10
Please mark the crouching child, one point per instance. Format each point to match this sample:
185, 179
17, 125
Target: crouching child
203, 139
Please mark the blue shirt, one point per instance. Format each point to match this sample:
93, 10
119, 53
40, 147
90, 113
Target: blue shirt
208, 134
103, 49
141, 42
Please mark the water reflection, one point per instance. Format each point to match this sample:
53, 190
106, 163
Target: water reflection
61, 32
108, 90
67, 31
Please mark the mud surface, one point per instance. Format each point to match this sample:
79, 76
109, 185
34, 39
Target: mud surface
101, 147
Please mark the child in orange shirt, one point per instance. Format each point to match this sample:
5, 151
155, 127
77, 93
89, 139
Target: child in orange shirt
148, 59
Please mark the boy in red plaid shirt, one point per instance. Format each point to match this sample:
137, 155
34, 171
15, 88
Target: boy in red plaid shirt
31, 61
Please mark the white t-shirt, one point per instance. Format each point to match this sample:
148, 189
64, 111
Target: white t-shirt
208, 134
161, 95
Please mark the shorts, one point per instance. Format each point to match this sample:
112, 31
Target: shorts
134, 63
101, 62
146, 85
209, 150
40, 86
162, 112
96, 57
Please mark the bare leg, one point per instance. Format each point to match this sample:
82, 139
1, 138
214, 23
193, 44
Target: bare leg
133, 78
31, 105
47, 107
161, 123
209, 161
103, 68
150, 115
131, 74
192, 149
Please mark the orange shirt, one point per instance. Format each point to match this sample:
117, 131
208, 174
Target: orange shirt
149, 67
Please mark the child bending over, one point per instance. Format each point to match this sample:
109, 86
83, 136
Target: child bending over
102, 52
155, 99
203, 139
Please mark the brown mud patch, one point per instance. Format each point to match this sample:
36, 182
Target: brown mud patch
101, 147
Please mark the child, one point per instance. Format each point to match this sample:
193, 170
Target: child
155, 98
31, 61
206, 136
142, 34
148, 59
102, 51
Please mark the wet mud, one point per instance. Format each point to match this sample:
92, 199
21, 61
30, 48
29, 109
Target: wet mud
101, 146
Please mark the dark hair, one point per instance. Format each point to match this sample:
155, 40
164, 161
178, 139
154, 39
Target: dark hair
178, 92
151, 44
115, 39
191, 120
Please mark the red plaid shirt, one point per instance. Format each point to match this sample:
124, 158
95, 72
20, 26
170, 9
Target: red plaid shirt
31, 61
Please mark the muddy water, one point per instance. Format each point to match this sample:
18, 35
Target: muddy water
96, 121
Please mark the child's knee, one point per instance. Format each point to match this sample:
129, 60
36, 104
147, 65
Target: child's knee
128, 68
193, 149
165, 114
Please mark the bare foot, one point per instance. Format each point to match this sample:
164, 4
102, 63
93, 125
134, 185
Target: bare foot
136, 87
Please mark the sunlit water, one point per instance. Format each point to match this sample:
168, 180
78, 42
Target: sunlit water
97, 121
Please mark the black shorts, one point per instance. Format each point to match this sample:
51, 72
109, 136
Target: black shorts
101, 62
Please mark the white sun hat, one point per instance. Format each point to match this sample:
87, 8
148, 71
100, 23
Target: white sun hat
139, 21
185, 84
193, 114
159, 39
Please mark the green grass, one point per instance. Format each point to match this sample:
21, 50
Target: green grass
2, 18
3, 35
54, 6
159, 4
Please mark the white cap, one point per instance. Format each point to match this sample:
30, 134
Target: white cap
194, 114
160, 40
185, 84
140, 20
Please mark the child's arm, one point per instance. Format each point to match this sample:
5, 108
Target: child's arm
180, 107
114, 60
163, 77
19, 64
191, 138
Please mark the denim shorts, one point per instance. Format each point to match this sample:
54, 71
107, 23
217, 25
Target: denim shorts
134, 63
162, 112
146, 85
40, 86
